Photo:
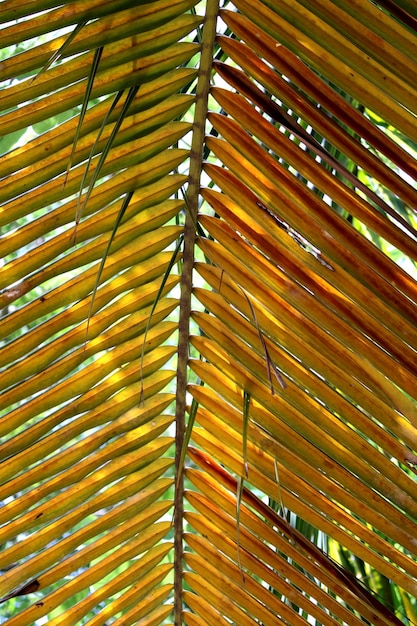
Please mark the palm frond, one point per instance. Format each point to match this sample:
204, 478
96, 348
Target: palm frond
235, 438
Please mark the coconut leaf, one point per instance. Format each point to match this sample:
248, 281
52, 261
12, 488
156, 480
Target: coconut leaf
208, 396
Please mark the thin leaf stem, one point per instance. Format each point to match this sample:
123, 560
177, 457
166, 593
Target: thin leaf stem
196, 157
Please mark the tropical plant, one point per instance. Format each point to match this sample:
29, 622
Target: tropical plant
209, 312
